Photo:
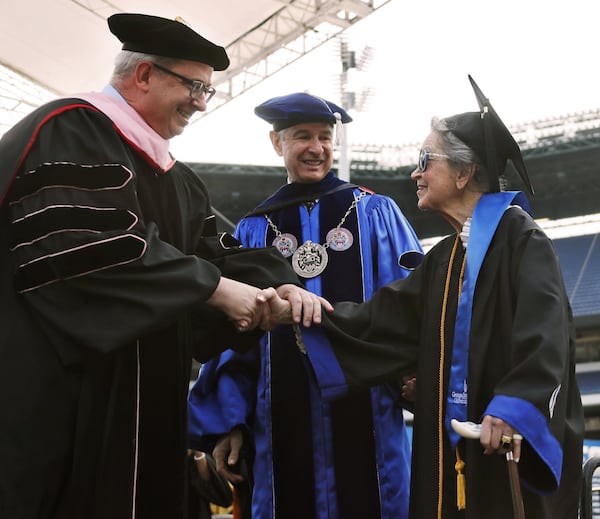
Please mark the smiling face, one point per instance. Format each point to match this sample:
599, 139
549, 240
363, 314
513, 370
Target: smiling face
437, 185
445, 185
167, 106
307, 151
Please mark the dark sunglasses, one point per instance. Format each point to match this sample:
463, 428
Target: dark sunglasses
197, 87
425, 155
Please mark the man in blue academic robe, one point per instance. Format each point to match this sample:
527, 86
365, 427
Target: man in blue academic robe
312, 459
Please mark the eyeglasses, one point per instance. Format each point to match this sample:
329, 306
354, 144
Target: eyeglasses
425, 155
197, 87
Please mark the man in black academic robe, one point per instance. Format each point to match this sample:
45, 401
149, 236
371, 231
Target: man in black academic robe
108, 256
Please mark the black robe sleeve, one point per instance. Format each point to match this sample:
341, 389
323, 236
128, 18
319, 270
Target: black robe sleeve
368, 343
260, 267
101, 241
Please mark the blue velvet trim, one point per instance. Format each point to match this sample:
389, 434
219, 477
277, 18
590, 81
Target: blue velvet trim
533, 425
291, 194
324, 363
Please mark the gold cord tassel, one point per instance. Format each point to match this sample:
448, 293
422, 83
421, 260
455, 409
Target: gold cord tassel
461, 495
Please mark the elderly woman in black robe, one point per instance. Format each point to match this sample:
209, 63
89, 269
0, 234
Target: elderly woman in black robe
486, 324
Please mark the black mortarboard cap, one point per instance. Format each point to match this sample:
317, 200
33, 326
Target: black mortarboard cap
485, 133
285, 111
163, 37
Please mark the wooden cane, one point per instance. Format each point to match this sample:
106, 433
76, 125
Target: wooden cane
515, 486
473, 431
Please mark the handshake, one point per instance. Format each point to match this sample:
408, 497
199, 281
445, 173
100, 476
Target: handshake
250, 307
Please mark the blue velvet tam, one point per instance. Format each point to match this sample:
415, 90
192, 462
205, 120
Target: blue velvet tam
168, 38
289, 110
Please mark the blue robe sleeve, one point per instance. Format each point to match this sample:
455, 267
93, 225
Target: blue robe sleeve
252, 231
396, 248
223, 397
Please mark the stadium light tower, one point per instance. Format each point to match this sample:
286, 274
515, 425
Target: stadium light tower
353, 95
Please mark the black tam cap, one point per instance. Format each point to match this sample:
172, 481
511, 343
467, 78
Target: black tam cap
485, 133
289, 110
163, 37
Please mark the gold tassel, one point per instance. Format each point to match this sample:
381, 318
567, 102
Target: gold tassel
461, 495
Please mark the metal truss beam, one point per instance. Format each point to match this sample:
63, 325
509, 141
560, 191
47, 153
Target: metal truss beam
100, 8
18, 97
297, 28
541, 138
294, 30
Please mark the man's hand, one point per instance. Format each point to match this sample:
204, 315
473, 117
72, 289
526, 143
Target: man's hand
276, 311
227, 455
250, 307
243, 304
409, 388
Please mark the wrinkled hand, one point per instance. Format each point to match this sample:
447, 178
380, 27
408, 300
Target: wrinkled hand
227, 455
304, 306
492, 430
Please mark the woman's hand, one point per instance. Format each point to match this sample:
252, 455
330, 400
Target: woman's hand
499, 437
305, 305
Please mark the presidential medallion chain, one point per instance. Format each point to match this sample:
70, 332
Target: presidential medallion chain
310, 259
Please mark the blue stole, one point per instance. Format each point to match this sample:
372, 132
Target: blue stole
484, 222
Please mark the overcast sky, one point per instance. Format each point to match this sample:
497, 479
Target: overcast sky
533, 59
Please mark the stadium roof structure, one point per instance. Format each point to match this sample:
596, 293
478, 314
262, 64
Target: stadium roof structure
65, 47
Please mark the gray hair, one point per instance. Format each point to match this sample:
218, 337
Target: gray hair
126, 61
461, 155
